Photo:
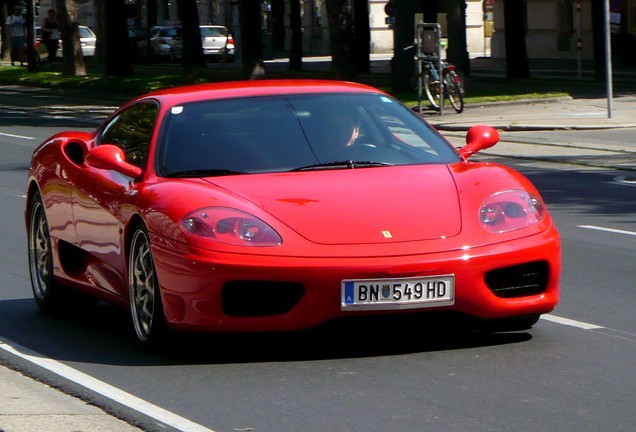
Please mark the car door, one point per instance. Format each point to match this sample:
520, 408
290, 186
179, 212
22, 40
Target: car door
104, 199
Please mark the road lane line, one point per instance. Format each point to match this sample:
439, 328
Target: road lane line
612, 230
17, 136
570, 322
12, 193
102, 388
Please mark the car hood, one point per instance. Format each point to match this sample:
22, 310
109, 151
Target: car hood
357, 206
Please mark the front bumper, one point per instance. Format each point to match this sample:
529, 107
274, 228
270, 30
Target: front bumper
193, 284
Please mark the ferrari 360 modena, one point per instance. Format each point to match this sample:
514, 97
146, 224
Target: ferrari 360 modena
280, 205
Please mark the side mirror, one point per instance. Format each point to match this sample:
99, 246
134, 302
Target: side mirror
479, 137
111, 157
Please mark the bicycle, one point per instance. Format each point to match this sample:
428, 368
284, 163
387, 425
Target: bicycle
428, 79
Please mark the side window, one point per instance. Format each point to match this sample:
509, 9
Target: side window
132, 130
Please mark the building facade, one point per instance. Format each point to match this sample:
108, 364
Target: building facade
555, 28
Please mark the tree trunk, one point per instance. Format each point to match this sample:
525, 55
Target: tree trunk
516, 53
598, 35
295, 25
100, 49
362, 36
457, 51
192, 54
251, 39
278, 26
340, 18
116, 53
73, 60
429, 10
403, 64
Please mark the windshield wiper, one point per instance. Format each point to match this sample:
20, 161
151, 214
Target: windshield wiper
342, 165
204, 173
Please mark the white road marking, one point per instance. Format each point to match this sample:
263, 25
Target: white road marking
103, 388
12, 193
154, 411
612, 230
17, 136
570, 322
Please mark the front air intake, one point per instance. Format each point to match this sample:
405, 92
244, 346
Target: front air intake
519, 281
259, 298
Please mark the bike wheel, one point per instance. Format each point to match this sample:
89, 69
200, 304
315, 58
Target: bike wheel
453, 90
431, 88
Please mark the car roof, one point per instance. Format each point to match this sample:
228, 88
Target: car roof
237, 89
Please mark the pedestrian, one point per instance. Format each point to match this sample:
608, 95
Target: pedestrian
16, 32
51, 35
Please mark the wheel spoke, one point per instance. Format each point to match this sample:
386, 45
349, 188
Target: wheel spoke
142, 286
40, 253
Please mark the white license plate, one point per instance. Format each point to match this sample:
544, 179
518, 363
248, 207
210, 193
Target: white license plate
404, 293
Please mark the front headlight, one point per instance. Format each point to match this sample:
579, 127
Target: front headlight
230, 226
510, 210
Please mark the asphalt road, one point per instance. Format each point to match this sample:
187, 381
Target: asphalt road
572, 372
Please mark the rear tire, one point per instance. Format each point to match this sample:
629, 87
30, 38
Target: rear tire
145, 298
454, 91
50, 296
46, 291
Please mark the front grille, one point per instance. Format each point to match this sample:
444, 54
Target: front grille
519, 281
259, 298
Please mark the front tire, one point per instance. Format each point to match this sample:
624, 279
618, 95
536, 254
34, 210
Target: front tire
145, 298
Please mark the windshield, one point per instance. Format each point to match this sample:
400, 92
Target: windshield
213, 32
295, 132
85, 32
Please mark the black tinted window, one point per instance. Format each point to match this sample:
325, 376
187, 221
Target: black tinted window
132, 130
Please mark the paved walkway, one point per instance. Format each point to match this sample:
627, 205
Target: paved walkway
557, 114
29, 406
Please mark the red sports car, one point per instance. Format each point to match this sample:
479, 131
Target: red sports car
281, 205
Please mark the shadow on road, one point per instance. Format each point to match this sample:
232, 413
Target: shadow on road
104, 336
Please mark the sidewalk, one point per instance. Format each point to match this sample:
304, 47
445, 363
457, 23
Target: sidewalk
549, 115
29, 406
552, 114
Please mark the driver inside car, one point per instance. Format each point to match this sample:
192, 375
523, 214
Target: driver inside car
336, 130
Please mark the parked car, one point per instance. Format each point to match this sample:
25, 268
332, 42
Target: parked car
279, 205
216, 41
88, 41
160, 44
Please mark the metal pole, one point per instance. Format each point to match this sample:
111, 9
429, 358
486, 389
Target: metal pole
608, 58
420, 79
438, 36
